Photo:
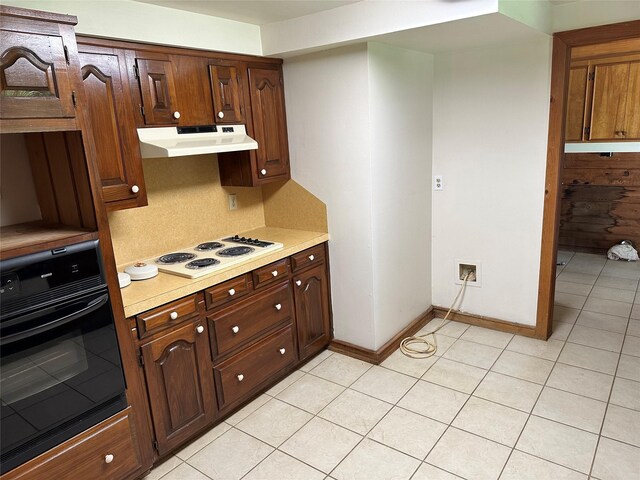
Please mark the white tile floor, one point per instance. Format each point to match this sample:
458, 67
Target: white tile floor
490, 405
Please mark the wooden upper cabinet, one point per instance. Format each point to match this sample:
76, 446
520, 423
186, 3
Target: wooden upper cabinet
269, 122
110, 108
227, 95
158, 91
577, 98
632, 117
609, 107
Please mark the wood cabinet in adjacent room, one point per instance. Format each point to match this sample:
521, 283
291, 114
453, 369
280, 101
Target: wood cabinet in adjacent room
110, 106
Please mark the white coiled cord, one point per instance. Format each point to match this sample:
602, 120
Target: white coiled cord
420, 346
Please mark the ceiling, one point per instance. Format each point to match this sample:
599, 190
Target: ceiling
257, 12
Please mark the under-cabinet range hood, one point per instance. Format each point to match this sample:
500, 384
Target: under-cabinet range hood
157, 142
601, 147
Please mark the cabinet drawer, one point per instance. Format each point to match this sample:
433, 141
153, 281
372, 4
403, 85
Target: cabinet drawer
310, 256
86, 455
169, 314
237, 376
227, 291
234, 326
271, 273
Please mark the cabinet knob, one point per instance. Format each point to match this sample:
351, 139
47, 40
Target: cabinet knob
173, 315
108, 458
199, 329
263, 171
176, 115
220, 114
274, 273
298, 282
235, 329
282, 350
232, 291
135, 189
311, 258
240, 377
278, 306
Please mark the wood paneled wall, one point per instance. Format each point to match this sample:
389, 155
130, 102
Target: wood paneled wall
600, 201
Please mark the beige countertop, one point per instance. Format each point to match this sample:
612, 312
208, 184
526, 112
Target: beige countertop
146, 294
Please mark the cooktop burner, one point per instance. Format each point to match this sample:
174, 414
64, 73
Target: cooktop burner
209, 246
235, 251
202, 263
179, 257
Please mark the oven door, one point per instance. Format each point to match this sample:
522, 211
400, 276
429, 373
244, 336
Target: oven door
60, 373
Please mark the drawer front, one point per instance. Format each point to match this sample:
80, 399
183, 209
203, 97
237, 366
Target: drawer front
169, 314
227, 291
238, 375
107, 451
271, 273
310, 256
234, 326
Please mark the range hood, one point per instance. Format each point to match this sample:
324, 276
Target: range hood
601, 147
157, 142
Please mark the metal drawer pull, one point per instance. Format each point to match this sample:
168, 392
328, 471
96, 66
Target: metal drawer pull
274, 273
108, 458
278, 306
311, 258
173, 315
240, 377
282, 350
199, 329
298, 282
232, 291
235, 329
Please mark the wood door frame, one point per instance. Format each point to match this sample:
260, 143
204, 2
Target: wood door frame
561, 59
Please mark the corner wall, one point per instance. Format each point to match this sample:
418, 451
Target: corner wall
491, 111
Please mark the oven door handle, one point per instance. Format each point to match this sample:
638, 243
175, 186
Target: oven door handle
91, 306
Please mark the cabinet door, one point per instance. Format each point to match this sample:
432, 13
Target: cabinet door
158, 92
609, 101
104, 76
311, 295
269, 122
180, 383
225, 89
34, 77
576, 100
632, 118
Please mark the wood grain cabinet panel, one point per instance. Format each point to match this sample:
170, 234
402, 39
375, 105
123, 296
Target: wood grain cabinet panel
609, 101
180, 383
111, 110
577, 97
313, 317
227, 94
158, 91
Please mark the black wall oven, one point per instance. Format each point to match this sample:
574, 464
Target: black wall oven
60, 368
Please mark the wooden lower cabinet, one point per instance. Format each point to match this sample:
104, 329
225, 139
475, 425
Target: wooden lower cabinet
108, 451
179, 376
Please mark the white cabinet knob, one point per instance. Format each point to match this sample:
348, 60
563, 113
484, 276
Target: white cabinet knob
278, 306
220, 114
108, 458
235, 329
311, 257
232, 291
199, 329
135, 189
176, 115
173, 315
298, 282
282, 350
274, 273
240, 377
263, 171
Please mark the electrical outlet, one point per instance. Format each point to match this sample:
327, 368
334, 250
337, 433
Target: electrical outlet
233, 201
438, 183
471, 268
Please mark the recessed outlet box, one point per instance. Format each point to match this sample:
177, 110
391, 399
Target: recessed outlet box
468, 267
233, 201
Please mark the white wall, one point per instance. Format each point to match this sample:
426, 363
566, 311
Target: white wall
143, 22
328, 122
490, 128
400, 99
